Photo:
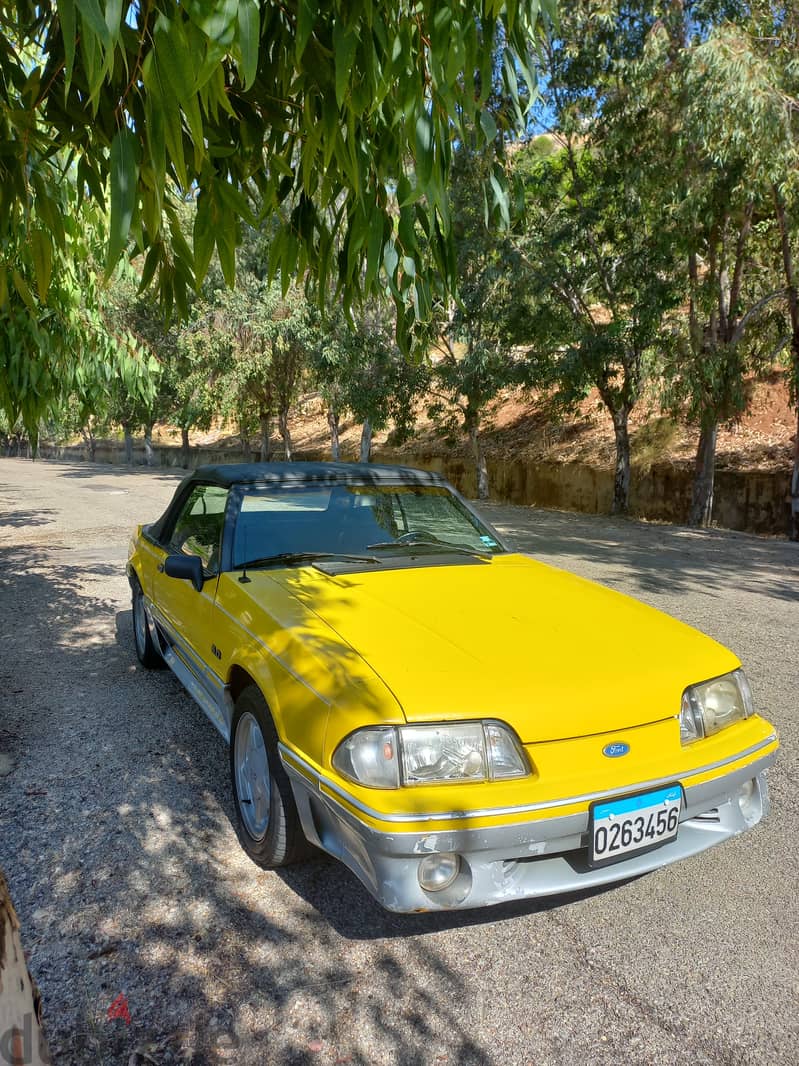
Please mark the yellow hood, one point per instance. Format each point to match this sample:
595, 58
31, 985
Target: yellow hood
553, 655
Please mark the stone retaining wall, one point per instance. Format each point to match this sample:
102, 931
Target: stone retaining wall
753, 500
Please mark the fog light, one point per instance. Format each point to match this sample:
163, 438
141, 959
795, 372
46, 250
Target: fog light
437, 872
748, 801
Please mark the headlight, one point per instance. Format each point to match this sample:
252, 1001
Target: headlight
388, 756
712, 706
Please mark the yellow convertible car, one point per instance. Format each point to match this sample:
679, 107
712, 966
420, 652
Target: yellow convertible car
459, 724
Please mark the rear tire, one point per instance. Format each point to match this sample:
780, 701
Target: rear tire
146, 651
267, 820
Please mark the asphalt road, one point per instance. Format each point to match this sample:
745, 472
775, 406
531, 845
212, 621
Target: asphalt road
116, 836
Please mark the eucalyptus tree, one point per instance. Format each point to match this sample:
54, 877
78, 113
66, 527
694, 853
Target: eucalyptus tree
774, 33
725, 118
687, 130
251, 345
360, 370
787, 212
342, 115
58, 346
595, 257
472, 337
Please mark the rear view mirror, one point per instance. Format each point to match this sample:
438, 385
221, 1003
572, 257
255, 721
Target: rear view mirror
187, 567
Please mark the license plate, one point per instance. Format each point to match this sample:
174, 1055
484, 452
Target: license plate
626, 826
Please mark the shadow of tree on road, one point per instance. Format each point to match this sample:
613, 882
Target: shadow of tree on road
90, 470
116, 836
656, 558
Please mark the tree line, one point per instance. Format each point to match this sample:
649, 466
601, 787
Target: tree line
631, 229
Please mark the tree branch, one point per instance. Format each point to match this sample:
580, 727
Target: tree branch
740, 248
753, 311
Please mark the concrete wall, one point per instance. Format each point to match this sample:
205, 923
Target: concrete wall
753, 500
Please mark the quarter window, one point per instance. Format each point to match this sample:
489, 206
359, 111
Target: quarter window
198, 529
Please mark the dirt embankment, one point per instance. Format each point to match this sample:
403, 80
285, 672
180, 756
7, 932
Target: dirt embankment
524, 426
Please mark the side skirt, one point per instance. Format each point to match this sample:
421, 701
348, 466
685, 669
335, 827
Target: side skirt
204, 687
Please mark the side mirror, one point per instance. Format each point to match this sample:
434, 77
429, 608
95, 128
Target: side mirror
187, 567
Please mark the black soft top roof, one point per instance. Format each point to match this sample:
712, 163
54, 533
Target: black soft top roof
229, 474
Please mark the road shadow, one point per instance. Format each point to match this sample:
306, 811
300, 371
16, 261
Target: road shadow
654, 558
18, 519
96, 470
115, 834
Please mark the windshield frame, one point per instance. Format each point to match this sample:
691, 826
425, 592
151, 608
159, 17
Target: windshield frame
240, 490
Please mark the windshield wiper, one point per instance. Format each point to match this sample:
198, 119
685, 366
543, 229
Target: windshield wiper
290, 558
440, 545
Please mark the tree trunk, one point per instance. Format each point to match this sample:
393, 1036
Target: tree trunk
366, 441
90, 441
21, 1036
793, 312
704, 475
335, 443
149, 457
481, 466
185, 451
285, 433
621, 479
266, 449
128, 444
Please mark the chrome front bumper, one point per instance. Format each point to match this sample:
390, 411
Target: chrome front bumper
543, 857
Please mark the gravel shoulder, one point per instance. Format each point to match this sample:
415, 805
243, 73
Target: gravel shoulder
117, 840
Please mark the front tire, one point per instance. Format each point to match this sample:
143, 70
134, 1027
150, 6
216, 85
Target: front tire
146, 651
267, 821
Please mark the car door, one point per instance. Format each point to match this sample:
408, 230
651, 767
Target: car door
185, 614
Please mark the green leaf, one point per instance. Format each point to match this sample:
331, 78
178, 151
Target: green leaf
113, 18
235, 201
390, 258
150, 263
88, 175
175, 61
42, 255
154, 116
226, 249
307, 10
213, 17
374, 246
344, 44
123, 176
489, 125
499, 187
66, 15
90, 56
22, 288
90, 9
173, 126
204, 225
249, 40
424, 148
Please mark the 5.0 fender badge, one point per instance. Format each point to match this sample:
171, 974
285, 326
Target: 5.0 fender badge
615, 750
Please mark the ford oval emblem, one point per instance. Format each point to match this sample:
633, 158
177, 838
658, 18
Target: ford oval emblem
615, 750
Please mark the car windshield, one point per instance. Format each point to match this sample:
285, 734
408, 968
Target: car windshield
356, 519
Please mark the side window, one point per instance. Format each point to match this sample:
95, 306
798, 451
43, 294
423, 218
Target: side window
198, 530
